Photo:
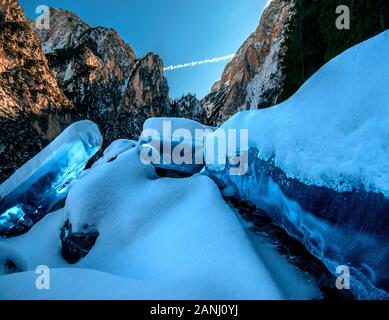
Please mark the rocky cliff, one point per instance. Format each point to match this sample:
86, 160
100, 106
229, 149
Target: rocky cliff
70, 71
101, 75
33, 109
74, 71
293, 40
188, 106
254, 76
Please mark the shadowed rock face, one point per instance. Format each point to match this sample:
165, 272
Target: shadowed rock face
188, 106
33, 109
145, 96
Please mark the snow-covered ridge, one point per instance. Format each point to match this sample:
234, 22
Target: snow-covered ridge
65, 30
334, 131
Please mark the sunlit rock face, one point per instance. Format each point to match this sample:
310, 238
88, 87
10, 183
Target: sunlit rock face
71, 71
33, 109
293, 40
101, 75
11, 11
254, 76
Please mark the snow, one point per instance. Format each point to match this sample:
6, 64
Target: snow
68, 72
47, 48
268, 3
267, 78
348, 241
170, 238
164, 225
39, 246
160, 238
115, 148
334, 131
174, 144
50, 47
124, 86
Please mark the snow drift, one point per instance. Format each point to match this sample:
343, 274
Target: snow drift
319, 164
334, 131
159, 238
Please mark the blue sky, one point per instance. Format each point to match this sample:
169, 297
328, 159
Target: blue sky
180, 31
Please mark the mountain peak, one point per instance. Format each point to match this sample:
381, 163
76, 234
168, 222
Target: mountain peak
68, 30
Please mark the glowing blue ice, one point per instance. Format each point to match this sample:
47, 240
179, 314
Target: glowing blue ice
341, 229
42, 182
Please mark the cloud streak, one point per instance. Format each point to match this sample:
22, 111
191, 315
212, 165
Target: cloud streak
197, 63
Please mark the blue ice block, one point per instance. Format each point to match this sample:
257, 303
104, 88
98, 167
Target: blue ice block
342, 229
174, 144
38, 185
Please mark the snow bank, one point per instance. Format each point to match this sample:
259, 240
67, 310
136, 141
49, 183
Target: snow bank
159, 238
334, 131
81, 284
165, 229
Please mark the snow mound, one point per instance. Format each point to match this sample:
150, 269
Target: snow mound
158, 238
334, 131
165, 229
